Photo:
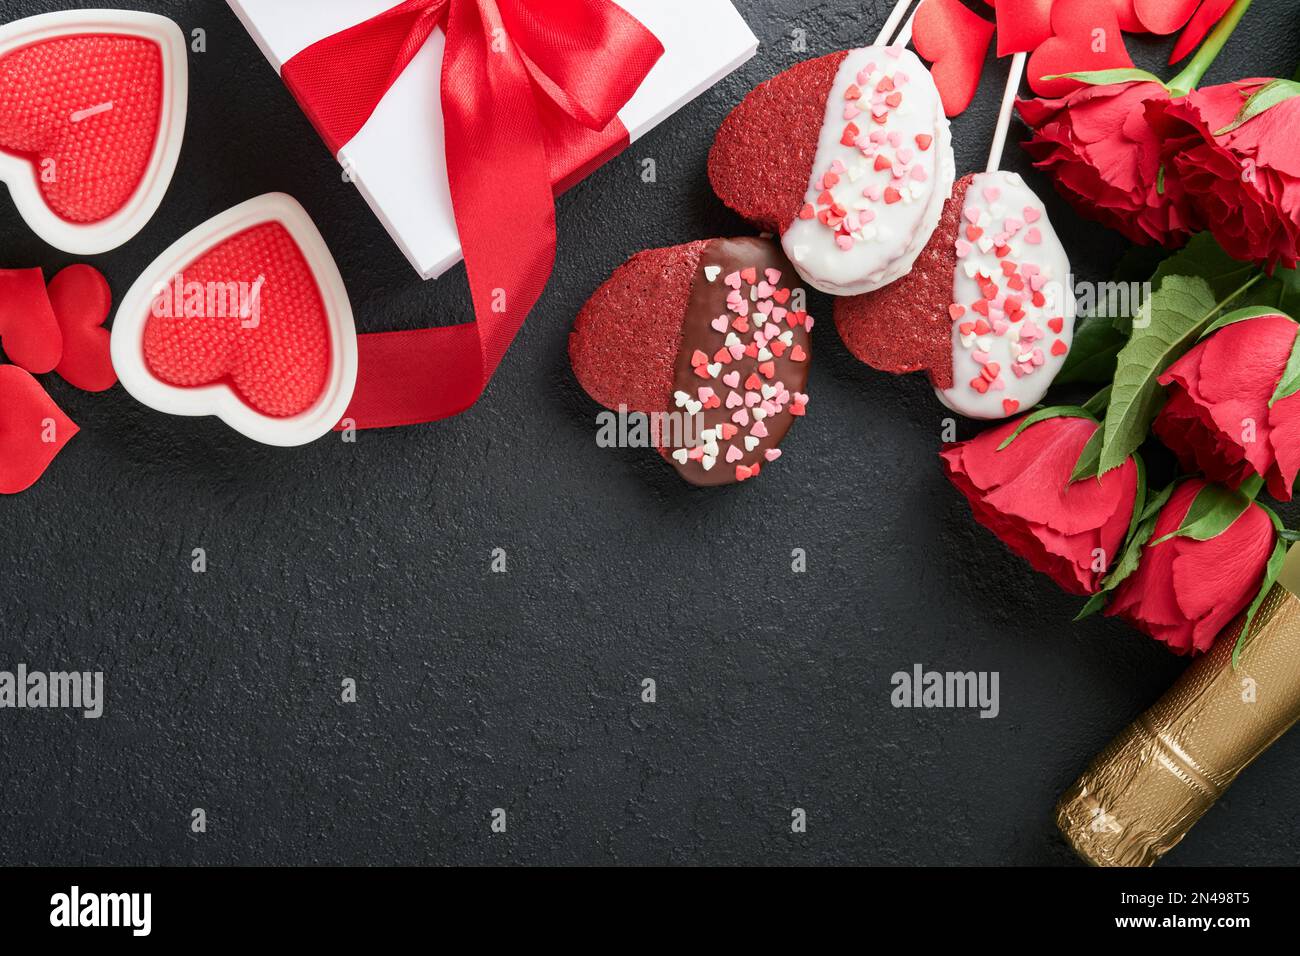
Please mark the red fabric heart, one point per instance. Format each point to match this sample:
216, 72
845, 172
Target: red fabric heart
85, 111
81, 300
32, 430
1164, 16
1086, 37
29, 332
954, 39
1203, 21
1023, 25
1126, 13
247, 313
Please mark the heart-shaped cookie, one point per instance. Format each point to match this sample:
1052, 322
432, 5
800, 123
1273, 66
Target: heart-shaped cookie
92, 113
955, 40
848, 157
905, 327
1086, 37
81, 301
32, 430
708, 343
987, 312
29, 331
245, 318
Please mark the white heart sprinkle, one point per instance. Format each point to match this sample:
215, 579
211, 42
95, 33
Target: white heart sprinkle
712, 272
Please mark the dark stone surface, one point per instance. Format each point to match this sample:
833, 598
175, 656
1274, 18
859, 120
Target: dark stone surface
521, 690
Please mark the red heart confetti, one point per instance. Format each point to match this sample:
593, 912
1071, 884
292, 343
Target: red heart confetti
1164, 16
956, 40
1203, 21
29, 331
33, 430
81, 301
1023, 25
1086, 37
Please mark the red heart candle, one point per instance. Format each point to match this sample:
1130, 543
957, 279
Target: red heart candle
245, 318
92, 112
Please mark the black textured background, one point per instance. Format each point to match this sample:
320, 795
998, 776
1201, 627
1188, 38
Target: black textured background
521, 690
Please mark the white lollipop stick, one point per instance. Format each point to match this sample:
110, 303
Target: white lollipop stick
891, 24
1004, 115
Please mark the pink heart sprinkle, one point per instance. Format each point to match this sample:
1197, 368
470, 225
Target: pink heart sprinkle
736, 351
752, 399
1000, 326
734, 399
919, 174
844, 242
1013, 226
773, 276
837, 166
720, 323
904, 155
705, 393
731, 379
895, 138
992, 194
964, 248
980, 356
1033, 237
1037, 282
878, 136
734, 454
759, 430
733, 280
851, 112
973, 215
740, 416
765, 306
772, 454
1032, 215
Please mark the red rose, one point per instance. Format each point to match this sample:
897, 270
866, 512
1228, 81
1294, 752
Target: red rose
1244, 184
1218, 420
1105, 160
1023, 494
1185, 591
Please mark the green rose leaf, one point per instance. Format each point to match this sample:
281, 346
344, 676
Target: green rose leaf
1105, 77
1093, 353
1264, 99
1213, 511
1043, 414
1240, 315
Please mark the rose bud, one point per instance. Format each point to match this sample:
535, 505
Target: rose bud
1022, 492
1105, 160
1185, 589
1242, 179
1218, 419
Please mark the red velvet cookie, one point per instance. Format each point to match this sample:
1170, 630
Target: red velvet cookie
905, 327
710, 340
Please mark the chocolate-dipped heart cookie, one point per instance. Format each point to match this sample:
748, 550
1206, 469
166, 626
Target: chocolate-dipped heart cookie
710, 334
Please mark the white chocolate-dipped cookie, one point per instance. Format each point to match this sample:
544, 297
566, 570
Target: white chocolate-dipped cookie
1012, 306
883, 170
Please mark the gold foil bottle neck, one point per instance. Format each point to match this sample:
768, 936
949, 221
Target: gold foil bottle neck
1141, 795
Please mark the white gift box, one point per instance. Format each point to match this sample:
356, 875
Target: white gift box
397, 160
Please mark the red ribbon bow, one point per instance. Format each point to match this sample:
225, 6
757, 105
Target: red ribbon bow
530, 91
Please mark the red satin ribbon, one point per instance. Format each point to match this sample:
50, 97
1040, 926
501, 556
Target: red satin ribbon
530, 95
